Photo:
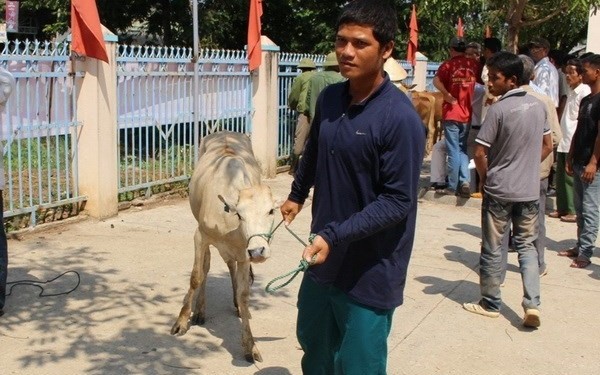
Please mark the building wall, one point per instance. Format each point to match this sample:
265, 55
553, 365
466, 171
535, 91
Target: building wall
593, 36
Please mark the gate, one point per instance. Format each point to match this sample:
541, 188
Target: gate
39, 126
155, 91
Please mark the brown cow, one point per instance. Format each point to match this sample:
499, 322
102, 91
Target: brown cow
429, 106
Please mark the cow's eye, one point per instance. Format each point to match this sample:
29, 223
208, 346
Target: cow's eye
239, 216
272, 212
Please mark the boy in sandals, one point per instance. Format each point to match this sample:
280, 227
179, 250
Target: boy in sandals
582, 164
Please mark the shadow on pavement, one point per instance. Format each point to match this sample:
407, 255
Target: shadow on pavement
116, 324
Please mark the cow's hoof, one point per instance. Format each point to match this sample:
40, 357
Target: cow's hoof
198, 320
179, 329
254, 356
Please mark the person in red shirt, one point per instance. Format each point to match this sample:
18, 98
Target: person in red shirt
455, 79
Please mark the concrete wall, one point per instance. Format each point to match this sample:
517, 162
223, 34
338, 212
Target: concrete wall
593, 35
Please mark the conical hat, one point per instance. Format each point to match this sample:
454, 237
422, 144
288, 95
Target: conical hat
394, 70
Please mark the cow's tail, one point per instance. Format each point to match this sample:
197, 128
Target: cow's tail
251, 275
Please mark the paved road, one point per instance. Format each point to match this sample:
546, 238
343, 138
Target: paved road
134, 271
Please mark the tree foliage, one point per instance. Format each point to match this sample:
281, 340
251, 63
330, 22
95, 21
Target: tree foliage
564, 24
308, 25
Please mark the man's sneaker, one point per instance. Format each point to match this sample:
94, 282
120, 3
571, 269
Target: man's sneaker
438, 186
532, 318
476, 308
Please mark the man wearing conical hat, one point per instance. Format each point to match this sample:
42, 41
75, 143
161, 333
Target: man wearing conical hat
396, 72
297, 102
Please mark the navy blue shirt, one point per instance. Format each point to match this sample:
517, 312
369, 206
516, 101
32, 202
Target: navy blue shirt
364, 162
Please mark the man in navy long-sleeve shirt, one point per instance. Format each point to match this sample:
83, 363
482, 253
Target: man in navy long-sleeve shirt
363, 158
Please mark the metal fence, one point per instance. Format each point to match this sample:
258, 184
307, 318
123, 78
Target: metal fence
38, 134
157, 137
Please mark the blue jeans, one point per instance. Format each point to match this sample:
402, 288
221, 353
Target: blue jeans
540, 242
587, 204
456, 134
338, 335
3, 255
496, 217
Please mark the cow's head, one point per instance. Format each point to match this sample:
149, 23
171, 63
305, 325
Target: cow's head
256, 211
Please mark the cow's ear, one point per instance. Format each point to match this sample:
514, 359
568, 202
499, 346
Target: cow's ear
228, 207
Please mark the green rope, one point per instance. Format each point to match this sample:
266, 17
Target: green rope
293, 273
302, 267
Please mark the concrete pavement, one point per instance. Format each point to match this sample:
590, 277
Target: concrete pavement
134, 272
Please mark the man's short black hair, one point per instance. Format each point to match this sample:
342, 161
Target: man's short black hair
539, 42
458, 43
493, 44
378, 14
509, 64
593, 60
576, 63
559, 57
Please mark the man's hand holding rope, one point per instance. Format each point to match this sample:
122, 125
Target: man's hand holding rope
319, 248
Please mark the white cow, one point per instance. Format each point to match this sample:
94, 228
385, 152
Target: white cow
235, 213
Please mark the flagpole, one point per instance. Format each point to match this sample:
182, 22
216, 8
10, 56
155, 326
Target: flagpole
196, 83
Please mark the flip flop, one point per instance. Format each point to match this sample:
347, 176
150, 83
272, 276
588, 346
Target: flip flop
569, 218
580, 263
571, 253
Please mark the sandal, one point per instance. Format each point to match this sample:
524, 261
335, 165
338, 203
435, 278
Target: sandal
555, 214
580, 263
569, 218
571, 253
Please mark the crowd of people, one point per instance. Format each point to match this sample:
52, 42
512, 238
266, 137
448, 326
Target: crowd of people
503, 112
505, 116
533, 105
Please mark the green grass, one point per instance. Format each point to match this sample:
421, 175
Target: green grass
37, 167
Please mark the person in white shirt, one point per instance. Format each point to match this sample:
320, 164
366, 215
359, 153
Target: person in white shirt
565, 207
546, 75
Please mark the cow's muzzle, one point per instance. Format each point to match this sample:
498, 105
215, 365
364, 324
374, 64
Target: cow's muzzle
258, 254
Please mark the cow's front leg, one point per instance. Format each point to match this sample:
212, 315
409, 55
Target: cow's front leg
232, 265
197, 278
251, 352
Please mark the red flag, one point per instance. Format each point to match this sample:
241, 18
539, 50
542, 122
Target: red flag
254, 48
413, 39
86, 32
488, 31
459, 30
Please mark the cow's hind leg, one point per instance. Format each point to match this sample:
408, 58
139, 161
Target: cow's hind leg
251, 352
197, 278
199, 315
